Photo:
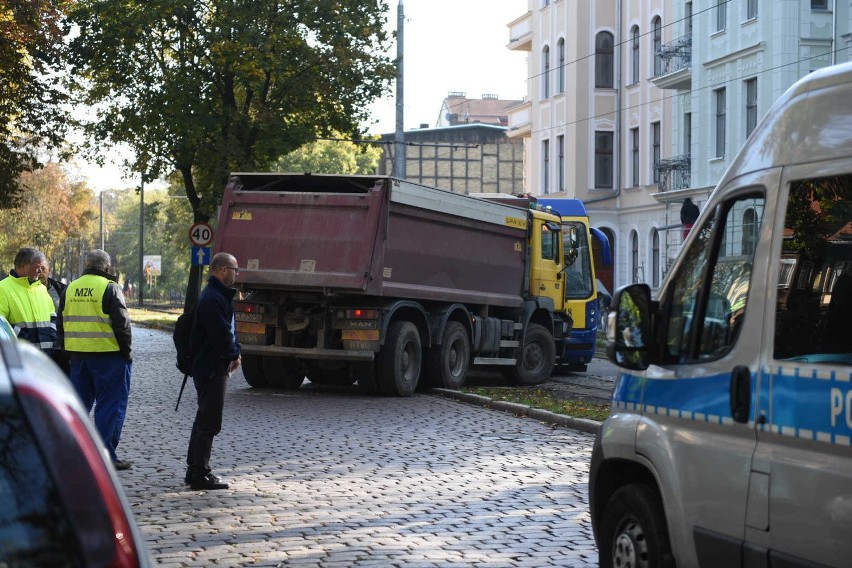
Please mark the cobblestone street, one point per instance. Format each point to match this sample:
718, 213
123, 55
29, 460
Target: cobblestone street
325, 477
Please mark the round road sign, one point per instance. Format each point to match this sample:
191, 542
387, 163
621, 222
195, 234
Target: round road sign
201, 234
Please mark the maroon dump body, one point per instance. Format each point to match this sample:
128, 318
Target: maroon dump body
351, 235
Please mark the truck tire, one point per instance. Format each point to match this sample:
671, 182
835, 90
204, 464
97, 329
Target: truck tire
447, 364
536, 359
398, 363
252, 366
633, 530
281, 373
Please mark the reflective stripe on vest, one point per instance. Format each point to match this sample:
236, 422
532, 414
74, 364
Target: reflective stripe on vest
87, 328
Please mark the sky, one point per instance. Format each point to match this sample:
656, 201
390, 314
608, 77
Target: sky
450, 45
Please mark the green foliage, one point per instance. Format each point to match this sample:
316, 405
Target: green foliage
31, 118
55, 215
332, 157
206, 87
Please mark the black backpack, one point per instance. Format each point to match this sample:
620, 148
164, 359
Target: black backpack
182, 336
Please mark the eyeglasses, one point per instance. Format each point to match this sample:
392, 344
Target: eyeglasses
234, 268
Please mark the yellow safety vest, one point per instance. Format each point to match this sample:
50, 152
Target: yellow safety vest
87, 328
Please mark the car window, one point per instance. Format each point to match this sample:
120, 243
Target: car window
34, 528
814, 302
704, 322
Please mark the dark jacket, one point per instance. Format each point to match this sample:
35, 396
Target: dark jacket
214, 341
113, 304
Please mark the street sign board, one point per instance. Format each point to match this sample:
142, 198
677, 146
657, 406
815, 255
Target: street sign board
201, 234
200, 256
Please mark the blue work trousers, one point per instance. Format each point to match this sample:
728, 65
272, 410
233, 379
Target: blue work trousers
104, 382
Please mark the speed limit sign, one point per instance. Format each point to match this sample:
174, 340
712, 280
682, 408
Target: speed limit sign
200, 234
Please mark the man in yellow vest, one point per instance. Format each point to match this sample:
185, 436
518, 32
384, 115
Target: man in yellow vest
94, 328
26, 303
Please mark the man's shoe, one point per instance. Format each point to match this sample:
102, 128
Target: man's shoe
208, 482
121, 465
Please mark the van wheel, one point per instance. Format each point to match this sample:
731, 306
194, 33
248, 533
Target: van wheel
536, 359
282, 373
252, 366
633, 530
398, 362
448, 363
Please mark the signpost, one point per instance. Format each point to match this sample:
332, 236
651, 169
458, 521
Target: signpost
201, 234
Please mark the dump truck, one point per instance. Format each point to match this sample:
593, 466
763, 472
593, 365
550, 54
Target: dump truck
390, 284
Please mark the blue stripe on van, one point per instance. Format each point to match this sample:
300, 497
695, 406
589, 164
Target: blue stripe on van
806, 403
810, 403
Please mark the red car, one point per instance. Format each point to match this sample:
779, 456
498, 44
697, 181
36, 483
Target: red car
61, 503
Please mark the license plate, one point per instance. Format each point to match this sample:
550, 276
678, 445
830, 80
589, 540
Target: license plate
248, 316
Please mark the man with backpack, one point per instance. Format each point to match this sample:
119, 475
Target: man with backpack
215, 354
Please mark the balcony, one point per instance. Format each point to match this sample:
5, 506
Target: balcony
520, 123
674, 173
675, 64
520, 33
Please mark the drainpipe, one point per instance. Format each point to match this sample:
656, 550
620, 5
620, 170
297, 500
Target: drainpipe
834, 33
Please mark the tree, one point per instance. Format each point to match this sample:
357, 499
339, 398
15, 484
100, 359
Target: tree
332, 157
54, 215
207, 87
31, 117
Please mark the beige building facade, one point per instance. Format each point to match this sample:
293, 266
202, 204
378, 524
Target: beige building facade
635, 105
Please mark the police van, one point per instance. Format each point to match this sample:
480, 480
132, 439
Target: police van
728, 443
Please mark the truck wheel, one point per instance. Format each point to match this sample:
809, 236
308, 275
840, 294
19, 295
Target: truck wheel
447, 364
281, 373
398, 362
633, 530
252, 366
536, 360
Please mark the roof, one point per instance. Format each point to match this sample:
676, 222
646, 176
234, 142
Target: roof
458, 109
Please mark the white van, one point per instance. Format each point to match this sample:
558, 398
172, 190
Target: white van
729, 439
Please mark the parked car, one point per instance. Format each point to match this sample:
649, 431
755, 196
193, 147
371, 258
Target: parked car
61, 503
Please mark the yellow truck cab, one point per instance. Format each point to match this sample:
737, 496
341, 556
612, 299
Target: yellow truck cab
729, 438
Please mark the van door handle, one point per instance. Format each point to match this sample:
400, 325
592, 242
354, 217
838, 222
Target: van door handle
740, 394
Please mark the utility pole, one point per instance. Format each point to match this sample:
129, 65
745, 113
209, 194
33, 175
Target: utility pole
101, 195
142, 243
399, 145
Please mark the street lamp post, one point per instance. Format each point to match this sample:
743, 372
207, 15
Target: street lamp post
141, 243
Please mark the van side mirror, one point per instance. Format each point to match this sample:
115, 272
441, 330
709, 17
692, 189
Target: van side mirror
629, 327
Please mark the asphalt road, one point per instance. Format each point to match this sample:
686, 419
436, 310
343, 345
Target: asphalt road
330, 477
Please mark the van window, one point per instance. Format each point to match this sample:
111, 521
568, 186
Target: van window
814, 303
710, 332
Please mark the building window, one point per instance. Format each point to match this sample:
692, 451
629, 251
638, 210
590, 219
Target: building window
655, 258
603, 159
819, 4
545, 166
560, 164
719, 108
721, 14
658, 44
561, 48
634, 156
634, 256
687, 133
545, 72
655, 154
687, 10
751, 9
634, 65
604, 60
751, 105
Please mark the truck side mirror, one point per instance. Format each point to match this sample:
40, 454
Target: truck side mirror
629, 327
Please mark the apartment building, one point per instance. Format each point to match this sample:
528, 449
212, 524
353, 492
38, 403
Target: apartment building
636, 105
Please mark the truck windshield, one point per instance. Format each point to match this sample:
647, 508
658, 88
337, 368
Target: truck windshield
579, 274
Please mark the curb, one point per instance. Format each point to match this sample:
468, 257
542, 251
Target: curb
581, 424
